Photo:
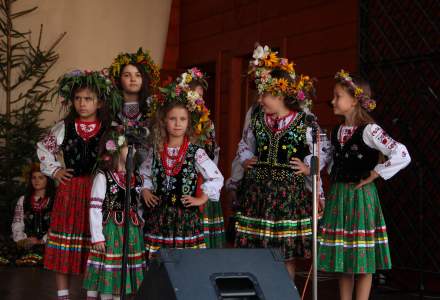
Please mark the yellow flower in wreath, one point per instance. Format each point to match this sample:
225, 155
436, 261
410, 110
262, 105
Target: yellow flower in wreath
271, 60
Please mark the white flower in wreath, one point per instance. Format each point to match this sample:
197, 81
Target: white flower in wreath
121, 140
185, 78
260, 53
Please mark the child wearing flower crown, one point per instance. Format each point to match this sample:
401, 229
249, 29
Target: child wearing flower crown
194, 80
107, 220
274, 209
172, 217
136, 75
353, 238
68, 153
32, 216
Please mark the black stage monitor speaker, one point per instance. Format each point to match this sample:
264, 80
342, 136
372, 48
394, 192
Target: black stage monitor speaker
230, 274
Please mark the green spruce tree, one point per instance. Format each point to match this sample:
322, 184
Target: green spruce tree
25, 92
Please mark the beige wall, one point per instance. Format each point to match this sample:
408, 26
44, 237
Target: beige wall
97, 30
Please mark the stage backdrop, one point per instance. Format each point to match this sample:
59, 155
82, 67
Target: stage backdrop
96, 31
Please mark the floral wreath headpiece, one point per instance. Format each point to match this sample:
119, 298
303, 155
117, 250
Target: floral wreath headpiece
140, 57
300, 89
95, 80
193, 74
199, 113
115, 141
28, 169
366, 102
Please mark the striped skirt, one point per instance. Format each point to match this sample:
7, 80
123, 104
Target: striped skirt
104, 269
213, 224
274, 214
68, 239
173, 226
353, 237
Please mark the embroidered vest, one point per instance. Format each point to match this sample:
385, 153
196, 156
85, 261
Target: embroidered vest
354, 160
274, 150
80, 155
114, 202
36, 223
171, 188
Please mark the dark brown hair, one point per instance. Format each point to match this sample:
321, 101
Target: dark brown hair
145, 92
50, 186
103, 114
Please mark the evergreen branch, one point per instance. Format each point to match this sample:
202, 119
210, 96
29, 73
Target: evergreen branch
23, 12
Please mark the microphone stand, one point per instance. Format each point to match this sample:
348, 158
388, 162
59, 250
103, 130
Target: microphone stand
129, 170
314, 171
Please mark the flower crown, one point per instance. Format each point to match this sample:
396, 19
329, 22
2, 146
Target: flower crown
28, 169
140, 57
193, 74
98, 81
265, 61
366, 102
199, 113
115, 142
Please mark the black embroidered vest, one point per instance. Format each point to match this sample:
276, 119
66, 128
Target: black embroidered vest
171, 188
36, 223
354, 160
80, 155
274, 150
114, 202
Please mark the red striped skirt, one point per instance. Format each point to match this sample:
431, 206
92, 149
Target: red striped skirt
68, 240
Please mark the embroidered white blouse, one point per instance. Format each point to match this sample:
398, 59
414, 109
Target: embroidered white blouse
213, 179
18, 233
49, 147
247, 148
375, 137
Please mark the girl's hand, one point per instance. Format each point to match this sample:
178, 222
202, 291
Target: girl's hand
150, 199
371, 178
63, 175
33, 241
299, 167
189, 201
249, 163
100, 247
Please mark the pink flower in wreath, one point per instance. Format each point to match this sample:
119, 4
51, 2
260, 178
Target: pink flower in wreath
196, 72
300, 95
110, 145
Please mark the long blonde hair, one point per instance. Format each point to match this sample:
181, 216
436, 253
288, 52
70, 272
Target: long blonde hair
361, 116
159, 134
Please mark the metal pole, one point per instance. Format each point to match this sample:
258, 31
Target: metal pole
128, 170
314, 164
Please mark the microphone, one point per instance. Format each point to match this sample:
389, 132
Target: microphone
311, 120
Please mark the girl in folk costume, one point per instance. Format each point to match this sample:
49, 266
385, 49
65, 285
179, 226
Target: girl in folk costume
68, 154
274, 209
353, 235
107, 220
137, 76
194, 80
172, 217
32, 216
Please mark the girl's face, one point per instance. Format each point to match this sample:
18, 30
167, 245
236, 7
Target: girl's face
86, 104
271, 104
131, 80
38, 181
177, 121
343, 103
